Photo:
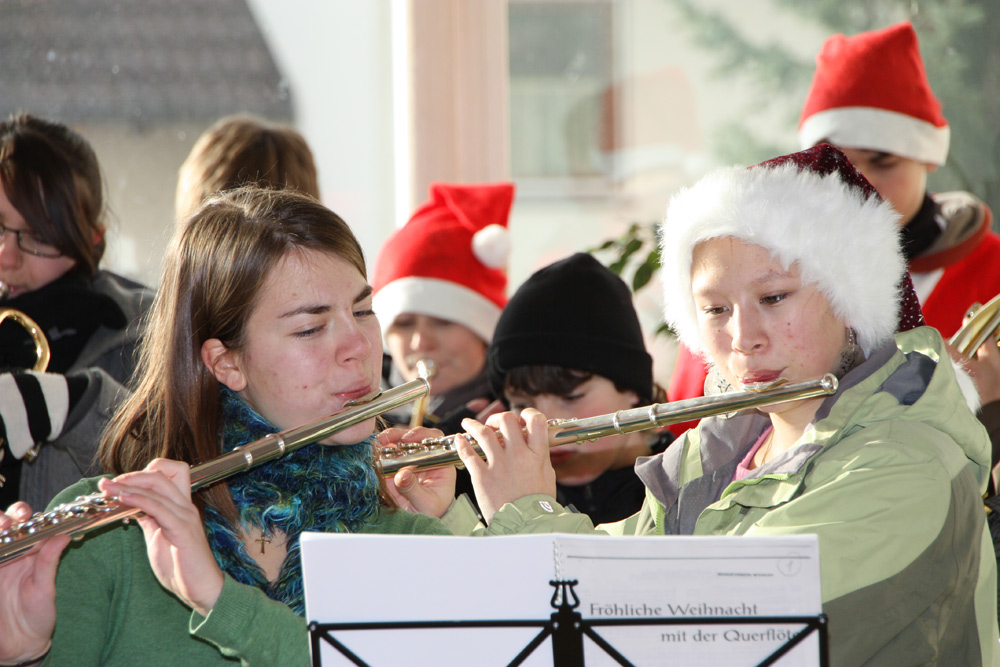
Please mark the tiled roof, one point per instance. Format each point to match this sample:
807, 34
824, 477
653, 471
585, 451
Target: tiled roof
141, 61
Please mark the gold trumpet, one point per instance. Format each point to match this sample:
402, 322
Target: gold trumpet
982, 322
89, 512
42, 351
426, 368
439, 452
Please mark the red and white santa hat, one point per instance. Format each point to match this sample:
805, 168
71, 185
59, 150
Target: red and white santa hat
870, 91
449, 260
812, 209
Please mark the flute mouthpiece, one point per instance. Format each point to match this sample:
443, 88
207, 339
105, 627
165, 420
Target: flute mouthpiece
758, 387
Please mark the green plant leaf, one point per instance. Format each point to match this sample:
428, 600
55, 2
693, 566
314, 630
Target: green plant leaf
643, 275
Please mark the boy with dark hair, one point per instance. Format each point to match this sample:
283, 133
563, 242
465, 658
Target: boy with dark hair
569, 344
889, 124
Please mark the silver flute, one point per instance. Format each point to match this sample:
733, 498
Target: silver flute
440, 452
86, 513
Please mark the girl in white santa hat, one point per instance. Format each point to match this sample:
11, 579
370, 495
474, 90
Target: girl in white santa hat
790, 270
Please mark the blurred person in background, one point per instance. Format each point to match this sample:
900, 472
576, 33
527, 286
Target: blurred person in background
440, 283
52, 213
244, 150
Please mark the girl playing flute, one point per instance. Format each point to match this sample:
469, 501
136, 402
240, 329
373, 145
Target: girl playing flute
790, 270
263, 322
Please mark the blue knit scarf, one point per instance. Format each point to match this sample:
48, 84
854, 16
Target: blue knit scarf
317, 488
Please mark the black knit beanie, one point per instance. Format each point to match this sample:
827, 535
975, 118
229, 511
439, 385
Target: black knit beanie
575, 313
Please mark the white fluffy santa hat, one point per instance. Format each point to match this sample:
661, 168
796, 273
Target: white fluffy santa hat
449, 260
811, 208
870, 91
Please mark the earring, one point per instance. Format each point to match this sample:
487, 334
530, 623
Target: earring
851, 356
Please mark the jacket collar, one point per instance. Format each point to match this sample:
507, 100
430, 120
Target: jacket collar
697, 469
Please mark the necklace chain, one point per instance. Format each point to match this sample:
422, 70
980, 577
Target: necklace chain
765, 449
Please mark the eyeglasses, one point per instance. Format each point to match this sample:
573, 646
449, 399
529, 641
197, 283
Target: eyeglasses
30, 244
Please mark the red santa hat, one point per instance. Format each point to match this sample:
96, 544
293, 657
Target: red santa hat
870, 91
449, 261
812, 209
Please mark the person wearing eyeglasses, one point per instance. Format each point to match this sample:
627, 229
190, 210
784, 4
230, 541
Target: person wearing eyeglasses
52, 238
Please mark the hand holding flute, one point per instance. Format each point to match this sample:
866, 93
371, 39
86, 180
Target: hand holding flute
28, 603
176, 544
429, 492
514, 463
517, 462
178, 551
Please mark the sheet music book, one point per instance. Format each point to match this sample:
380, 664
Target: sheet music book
436, 578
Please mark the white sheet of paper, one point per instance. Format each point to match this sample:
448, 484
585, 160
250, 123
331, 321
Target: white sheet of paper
684, 577
422, 578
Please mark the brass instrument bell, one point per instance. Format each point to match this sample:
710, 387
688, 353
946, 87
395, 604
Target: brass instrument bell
42, 351
982, 323
426, 368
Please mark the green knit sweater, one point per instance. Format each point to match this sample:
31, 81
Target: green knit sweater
112, 610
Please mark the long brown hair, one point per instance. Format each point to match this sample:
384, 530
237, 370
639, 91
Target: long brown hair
214, 270
559, 381
51, 175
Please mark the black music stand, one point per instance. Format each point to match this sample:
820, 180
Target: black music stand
567, 628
